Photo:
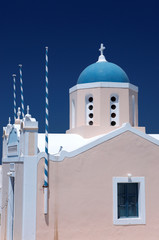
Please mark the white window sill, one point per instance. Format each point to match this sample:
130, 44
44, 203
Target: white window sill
129, 221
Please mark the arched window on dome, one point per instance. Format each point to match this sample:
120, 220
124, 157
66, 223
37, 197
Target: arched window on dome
114, 110
133, 110
73, 114
89, 109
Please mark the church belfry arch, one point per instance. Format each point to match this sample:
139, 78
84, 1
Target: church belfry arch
103, 99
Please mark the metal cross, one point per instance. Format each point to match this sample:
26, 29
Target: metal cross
101, 48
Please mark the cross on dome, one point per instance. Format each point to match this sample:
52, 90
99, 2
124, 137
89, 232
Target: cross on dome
101, 57
101, 49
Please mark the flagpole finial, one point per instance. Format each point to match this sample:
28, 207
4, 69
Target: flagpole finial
18, 113
21, 90
9, 121
28, 115
14, 95
27, 109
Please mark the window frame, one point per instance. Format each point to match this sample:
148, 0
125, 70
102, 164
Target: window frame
141, 219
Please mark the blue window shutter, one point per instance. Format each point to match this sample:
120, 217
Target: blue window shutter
127, 200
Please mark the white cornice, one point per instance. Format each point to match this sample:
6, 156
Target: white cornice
103, 85
125, 127
103, 138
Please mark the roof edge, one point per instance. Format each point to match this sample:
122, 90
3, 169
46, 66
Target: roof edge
125, 127
103, 85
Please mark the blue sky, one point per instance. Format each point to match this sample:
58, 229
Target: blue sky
73, 31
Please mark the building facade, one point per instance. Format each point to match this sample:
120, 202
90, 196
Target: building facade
103, 172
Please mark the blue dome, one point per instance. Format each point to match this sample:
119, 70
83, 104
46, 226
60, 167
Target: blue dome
103, 72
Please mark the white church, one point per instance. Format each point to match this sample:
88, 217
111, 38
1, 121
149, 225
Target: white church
103, 172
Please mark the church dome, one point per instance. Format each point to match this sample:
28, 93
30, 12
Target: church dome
102, 71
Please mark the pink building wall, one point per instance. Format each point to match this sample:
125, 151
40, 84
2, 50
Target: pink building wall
81, 191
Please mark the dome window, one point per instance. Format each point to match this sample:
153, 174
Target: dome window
113, 115
90, 122
89, 109
113, 99
91, 115
113, 123
90, 99
113, 107
114, 110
